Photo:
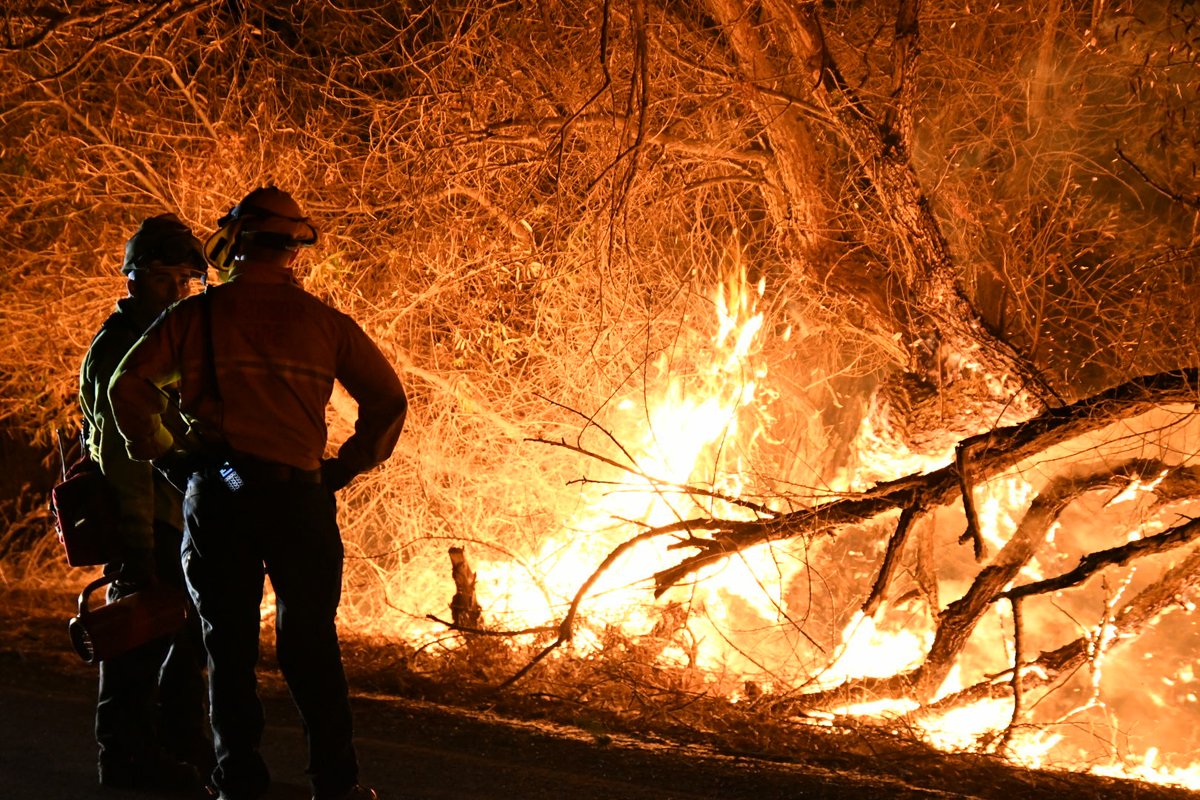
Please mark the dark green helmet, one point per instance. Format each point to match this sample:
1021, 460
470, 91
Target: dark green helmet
163, 241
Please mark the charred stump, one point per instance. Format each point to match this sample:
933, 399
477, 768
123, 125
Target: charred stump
464, 608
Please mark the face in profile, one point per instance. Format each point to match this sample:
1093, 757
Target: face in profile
159, 287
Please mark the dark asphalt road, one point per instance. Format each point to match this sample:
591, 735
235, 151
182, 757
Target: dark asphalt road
407, 750
422, 751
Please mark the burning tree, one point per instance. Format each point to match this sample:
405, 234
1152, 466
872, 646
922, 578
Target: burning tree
855, 333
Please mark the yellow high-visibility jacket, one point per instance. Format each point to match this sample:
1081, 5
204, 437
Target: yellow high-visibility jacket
143, 495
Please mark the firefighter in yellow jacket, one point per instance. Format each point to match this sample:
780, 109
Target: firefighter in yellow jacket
255, 359
150, 716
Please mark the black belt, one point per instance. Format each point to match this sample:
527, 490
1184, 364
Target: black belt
255, 471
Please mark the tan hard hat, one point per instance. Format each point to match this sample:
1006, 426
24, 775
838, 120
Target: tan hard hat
269, 209
268, 217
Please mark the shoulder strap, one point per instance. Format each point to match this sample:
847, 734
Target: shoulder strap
210, 353
213, 386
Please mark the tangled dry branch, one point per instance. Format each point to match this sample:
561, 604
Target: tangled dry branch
991, 453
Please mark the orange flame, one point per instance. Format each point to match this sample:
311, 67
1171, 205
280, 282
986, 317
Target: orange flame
701, 427
690, 431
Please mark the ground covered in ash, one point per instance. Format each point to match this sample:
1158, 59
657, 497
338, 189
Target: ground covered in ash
425, 739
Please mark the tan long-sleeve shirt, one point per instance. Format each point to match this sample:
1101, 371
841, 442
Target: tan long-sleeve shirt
276, 351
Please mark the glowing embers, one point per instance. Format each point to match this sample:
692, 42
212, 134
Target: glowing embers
1148, 769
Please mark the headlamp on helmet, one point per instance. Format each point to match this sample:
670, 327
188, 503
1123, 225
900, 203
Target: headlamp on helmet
267, 217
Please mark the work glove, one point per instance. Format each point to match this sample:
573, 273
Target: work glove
177, 466
334, 474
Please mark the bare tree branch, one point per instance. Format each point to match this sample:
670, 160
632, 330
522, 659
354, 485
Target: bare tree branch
966, 480
1165, 191
996, 451
891, 559
1171, 590
1092, 563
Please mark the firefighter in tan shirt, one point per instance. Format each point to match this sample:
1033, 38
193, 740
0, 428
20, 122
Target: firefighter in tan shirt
255, 360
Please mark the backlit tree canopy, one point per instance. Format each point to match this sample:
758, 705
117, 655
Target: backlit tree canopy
828, 324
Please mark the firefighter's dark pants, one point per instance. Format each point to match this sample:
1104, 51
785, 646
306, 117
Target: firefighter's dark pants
289, 529
151, 699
